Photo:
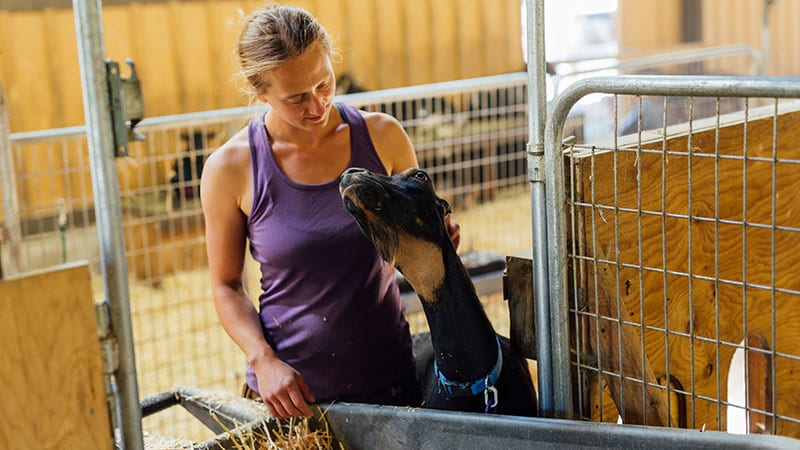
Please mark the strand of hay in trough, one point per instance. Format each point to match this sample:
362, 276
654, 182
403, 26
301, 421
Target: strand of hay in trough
286, 434
156, 442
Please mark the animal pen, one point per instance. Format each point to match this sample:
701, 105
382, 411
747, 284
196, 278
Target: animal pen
650, 272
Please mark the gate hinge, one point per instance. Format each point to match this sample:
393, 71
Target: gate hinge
108, 344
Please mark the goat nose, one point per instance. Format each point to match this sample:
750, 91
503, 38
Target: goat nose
353, 171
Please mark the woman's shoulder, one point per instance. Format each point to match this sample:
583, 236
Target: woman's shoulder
381, 121
391, 141
234, 152
229, 162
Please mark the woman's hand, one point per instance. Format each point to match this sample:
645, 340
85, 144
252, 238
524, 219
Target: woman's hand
454, 230
282, 389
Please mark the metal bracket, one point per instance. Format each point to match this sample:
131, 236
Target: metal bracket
127, 106
535, 163
108, 344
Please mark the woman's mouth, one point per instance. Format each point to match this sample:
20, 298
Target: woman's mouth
316, 119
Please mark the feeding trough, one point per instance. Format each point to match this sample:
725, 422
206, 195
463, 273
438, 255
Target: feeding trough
361, 426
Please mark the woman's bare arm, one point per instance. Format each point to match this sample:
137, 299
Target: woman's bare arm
224, 185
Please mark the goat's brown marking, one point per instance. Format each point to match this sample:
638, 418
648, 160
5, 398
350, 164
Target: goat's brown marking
422, 264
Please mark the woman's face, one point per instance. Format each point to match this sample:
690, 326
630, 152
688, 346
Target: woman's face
301, 89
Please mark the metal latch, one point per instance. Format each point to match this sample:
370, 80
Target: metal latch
127, 106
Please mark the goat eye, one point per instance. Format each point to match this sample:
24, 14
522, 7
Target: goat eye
422, 176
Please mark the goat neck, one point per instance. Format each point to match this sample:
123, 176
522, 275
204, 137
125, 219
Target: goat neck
463, 339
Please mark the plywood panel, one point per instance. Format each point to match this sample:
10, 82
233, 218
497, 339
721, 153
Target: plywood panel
695, 309
51, 375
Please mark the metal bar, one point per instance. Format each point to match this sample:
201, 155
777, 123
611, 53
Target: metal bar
745, 334
678, 57
357, 100
537, 114
665, 281
680, 85
690, 255
773, 375
10, 196
700, 86
108, 213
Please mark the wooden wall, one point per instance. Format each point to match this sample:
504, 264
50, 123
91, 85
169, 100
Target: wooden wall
184, 50
645, 25
652, 25
739, 21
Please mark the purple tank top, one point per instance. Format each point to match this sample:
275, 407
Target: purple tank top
330, 306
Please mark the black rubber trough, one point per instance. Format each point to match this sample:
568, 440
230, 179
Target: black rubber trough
359, 426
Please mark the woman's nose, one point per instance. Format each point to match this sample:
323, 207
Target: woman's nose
317, 104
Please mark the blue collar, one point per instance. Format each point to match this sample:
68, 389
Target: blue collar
462, 389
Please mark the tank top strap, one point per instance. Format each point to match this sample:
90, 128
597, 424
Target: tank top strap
260, 163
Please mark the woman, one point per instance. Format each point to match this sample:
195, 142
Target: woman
329, 324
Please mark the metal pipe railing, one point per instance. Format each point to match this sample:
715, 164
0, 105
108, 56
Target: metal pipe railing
108, 213
664, 59
537, 115
10, 198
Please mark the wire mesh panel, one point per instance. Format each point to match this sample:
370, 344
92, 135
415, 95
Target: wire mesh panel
470, 135
682, 251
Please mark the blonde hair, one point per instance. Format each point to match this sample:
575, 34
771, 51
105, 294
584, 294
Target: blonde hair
273, 35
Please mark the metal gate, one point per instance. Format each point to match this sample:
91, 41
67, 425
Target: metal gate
673, 254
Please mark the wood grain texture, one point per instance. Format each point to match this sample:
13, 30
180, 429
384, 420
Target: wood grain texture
685, 279
185, 58
51, 374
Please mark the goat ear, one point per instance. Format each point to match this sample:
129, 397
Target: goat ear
445, 206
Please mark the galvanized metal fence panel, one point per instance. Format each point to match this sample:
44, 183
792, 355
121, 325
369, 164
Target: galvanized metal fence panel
673, 252
469, 134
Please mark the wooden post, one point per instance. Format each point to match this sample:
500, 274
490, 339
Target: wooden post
621, 350
759, 385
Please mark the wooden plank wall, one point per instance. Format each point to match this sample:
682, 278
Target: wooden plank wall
647, 25
51, 373
184, 55
184, 50
739, 21
692, 356
653, 25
